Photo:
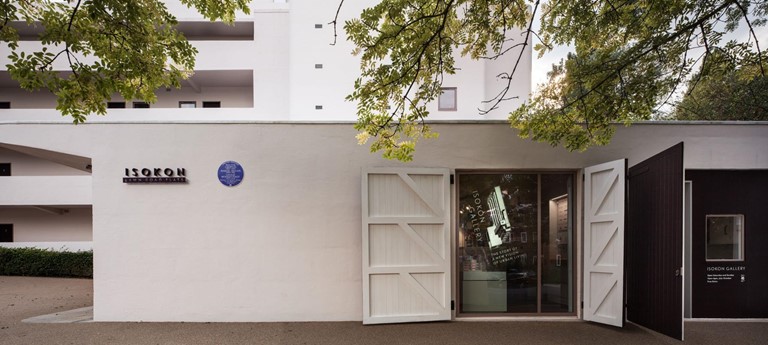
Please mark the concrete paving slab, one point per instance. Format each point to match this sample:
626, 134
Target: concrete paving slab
69, 316
25, 297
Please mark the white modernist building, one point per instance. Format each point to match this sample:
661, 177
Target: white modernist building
265, 209
276, 64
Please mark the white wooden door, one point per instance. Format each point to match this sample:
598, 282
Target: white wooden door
406, 245
604, 209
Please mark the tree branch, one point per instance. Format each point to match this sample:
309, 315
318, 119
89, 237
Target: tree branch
501, 96
752, 31
335, 22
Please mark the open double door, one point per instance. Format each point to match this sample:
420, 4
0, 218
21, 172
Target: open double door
633, 244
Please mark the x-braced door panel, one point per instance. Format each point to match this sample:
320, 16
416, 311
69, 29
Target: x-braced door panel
406, 245
604, 209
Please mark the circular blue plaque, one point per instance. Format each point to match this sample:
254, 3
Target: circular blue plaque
231, 173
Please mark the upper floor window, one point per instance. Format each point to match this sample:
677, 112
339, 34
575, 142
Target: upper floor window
115, 105
5, 105
447, 99
187, 104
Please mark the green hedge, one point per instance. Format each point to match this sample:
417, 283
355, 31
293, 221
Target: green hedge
45, 263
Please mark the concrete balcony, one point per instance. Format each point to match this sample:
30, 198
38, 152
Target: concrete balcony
230, 55
212, 55
152, 115
269, 6
45, 190
182, 12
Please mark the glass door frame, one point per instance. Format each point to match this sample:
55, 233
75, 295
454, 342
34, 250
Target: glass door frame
574, 173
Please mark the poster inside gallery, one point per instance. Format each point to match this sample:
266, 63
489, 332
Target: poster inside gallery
514, 233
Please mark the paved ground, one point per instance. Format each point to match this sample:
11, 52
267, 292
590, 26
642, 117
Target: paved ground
24, 297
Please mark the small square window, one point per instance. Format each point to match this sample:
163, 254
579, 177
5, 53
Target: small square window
318, 107
5, 169
187, 104
211, 104
725, 237
318, 26
319, 66
141, 105
115, 105
5, 105
447, 99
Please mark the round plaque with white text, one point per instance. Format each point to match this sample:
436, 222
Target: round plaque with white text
231, 173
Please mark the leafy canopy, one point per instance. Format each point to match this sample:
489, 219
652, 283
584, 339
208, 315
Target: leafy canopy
630, 57
727, 93
135, 45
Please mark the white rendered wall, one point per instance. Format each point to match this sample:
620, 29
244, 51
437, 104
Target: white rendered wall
520, 86
328, 86
271, 91
309, 86
34, 225
285, 245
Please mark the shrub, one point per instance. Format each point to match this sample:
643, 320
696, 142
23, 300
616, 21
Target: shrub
45, 263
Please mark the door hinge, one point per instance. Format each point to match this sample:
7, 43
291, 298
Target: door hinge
451, 178
453, 305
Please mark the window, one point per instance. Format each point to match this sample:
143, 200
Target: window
187, 104
725, 237
115, 105
140, 105
6, 232
5, 169
447, 99
211, 104
515, 242
5, 105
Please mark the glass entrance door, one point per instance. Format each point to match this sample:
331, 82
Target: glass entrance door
515, 242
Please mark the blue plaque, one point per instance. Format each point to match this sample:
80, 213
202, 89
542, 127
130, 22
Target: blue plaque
231, 173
